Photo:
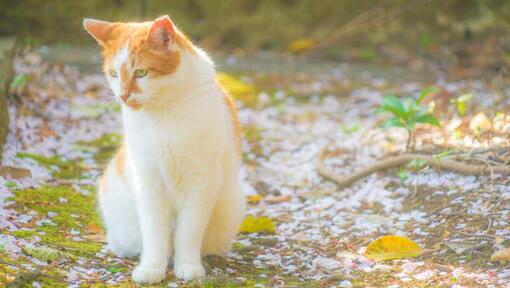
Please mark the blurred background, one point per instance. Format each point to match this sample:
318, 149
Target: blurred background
406, 32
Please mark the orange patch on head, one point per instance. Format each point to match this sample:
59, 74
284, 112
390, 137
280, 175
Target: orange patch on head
236, 123
120, 161
149, 43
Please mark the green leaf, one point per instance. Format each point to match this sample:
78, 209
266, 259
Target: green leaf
393, 122
443, 154
462, 103
428, 118
394, 105
426, 92
402, 174
19, 81
113, 269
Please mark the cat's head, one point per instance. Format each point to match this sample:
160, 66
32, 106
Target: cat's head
137, 56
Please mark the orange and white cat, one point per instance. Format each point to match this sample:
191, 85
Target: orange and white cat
172, 192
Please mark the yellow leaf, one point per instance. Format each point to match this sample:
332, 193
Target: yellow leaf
237, 88
257, 225
502, 255
301, 45
254, 199
392, 247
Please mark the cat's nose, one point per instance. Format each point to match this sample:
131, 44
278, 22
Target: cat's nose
125, 96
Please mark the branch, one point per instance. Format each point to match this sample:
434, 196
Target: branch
344, 181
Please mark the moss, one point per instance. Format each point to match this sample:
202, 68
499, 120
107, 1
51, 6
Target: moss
104, 147
73, 211
59, 168
25, 234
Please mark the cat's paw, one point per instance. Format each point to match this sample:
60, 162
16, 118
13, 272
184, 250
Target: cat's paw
151, 275
189, 271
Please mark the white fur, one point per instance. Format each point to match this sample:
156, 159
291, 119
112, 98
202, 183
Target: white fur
181, 198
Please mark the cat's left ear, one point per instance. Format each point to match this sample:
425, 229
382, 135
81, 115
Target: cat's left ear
162, 31
98, 29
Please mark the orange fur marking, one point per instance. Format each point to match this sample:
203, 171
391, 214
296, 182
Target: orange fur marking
120, 160
143, 53
236, 124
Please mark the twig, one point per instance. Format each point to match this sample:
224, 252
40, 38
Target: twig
344, 181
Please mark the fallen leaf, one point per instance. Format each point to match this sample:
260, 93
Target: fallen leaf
502, 255
460, 247
392, 247
253, 224
14, 172
46, 132
301, 45
254, 199
278, 199
96, 238
93, 229
42, 253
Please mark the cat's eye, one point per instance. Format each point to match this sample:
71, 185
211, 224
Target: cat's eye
113, 73
139, 73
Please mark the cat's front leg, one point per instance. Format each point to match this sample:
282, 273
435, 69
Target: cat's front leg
155, 221
192, 221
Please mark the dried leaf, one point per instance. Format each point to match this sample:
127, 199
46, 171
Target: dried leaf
392, 247
257, 225
93, 229
502, 255
254, 199
460, 247
96, 238
14, 172
278, 199
301, 45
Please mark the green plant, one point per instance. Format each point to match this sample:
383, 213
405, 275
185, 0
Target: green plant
461, 103
407, 112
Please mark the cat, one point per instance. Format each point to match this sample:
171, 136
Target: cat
172, 192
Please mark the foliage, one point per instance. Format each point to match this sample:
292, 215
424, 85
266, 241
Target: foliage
461, 103
407, 112
260, 24
392, 247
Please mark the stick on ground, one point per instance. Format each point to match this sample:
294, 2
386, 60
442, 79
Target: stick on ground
344, 181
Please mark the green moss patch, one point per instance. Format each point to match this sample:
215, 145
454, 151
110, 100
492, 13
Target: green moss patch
71, 211
63, 169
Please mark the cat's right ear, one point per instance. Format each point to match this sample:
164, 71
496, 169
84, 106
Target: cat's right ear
99, 30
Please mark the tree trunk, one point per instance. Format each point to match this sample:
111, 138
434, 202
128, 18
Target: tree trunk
6, 75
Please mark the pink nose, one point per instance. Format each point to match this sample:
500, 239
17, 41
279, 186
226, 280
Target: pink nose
125, 97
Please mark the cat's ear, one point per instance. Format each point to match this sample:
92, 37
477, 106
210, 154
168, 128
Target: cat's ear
162, 31
98, 29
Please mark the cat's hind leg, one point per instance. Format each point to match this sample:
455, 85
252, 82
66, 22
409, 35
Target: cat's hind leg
225, 221
118, 209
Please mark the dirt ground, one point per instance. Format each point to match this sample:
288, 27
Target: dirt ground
65, 126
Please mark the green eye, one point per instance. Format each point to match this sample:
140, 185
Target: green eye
139, 73
113, 73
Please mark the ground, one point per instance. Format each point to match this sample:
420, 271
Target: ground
65, 126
